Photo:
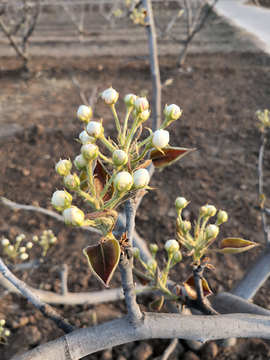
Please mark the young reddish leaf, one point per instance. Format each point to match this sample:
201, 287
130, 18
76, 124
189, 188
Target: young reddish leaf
100, 179
235, 245
168, 156
190, 288
103, 259
156, 305
141, 277
144, 165
3, 340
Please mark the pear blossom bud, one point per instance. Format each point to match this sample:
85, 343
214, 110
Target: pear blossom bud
22, 250
5, 242
130, 99
72, 182
221, 217
153, 249
63, 167
110, 96
22, 236
203, 210
171, 246
185, 226
123, 181
29, 245
24, 256
172, 112
73, 216
80, 162
141, 104
211, 210
85, 138
120, 157
2, 322
19, 238
211, 231
176, 257
6, 332
136, 252
141, 178
89, 151
180, 203
151, 265
53, 240
94, 129
61, 200
144, 116
84, 113
10, 247
160, 138
1, 329
35, 238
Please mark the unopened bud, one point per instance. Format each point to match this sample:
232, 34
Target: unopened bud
89, 151
222, 217
6, 332
110, 96
80, 162
72, 182
176, 257
22, 250
120, 157
144, 116
211, 231
153, 249
29, 245
141, 104
63, 167
203, 210
172, 112
35, 238
24, 256
130, 99
10, 247
151, 265
94, 129
136, 252
160, 139
22, 236
123, 181
86, 139
5, 242
141, 178
180, 203
211, 210
61, 200
73, 216
185, 226
53, 240
2, 322
19, 238
84, 113
1, 329
171, 246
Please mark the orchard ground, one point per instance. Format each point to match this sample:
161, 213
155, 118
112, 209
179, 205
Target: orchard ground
226, 80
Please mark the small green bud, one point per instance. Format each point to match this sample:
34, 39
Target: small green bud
72, 182
180, 203
171, 246
211, 210
153, 249
185, 226
211, 231
176, 257
2, 322
80, 162
151, 265
136, 252
221, 217
63, 167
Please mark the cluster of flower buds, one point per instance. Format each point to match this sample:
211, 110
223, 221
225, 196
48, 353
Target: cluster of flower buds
17, 251
46, 240
264, 119
4, 333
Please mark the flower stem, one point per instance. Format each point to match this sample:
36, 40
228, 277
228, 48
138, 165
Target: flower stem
117, 123
129, 109
107, 144
103, 157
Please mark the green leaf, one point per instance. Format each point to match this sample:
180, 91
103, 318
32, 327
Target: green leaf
167, 156
103, 259
234, 245
190, 287
100, 179
156, 305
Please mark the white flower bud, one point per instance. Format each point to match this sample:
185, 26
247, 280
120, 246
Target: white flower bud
144, 116
211, 210
6, 332
89, 151
5, 242
19, 238
120, 157
63, 167
141, 104
24, 256
211, 231
160, 138
72, 182
35, 238
84, 113
171, 246
110, 96
29, 245
141, 178
151, 265
123, 181
172, 111
22, 250
94, 129
2, 322
22, 236
10, 247
185, 226
80, 162
60, 201
86, 139
176, 257
222, 217
130, 99
53, 240
136, 252
73, 216
1, 329
180, 203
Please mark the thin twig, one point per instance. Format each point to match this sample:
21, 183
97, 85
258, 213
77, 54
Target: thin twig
26, 266
169, 349
64, 277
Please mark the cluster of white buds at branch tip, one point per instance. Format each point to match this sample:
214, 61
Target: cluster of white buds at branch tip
180, 203
61, 200
141, 104
130, 99
110, 96
80, 162
63, 167
86, 139
73, 216
89, 151
141, 178
3, 332
171, 246
172, 112
120, 157
160, 139
72, 182
84, 113
211, 231
123, 181
151, 265
94, 129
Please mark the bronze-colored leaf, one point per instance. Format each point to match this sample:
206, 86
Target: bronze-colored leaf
141, 277
101, 176
190, 288
234, 245
167, 156
3, 340
156, 305
144, 165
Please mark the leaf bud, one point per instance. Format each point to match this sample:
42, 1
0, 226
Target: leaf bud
123, 181
110, 96
61, 200
89, 151
94, 129
35, 238
171, 246
73, 216
153, 249
29, 245
120, 157
211, 210
10, 247
5, 242
151, 265
86, 139
176, 257
222, 217
136, 252
180, 203
160, 139
6, 332
172, 112
24, 256
130, 99
63, 167
72, 182
141, 104
22, 250
140, 178
80, 162
84, 113
211, 231
185, 226
2, 322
